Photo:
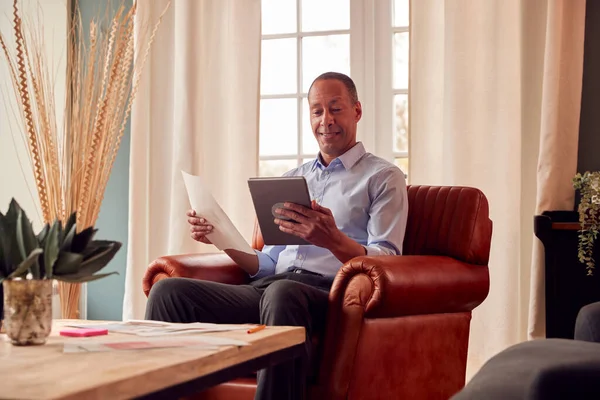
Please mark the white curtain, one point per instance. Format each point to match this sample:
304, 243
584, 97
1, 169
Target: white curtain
196, 110
494, 84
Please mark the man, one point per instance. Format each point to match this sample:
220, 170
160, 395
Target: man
359, 208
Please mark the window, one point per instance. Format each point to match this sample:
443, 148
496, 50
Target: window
400, 86
366, 39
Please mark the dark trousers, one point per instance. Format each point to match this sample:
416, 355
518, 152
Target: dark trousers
289, 298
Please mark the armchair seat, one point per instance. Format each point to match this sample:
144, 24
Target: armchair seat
397, 326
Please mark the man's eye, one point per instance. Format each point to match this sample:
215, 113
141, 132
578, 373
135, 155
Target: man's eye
336, 109
317, 113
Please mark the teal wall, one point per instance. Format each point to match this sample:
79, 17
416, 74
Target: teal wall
105, 296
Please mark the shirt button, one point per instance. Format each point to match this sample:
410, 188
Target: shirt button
300, 257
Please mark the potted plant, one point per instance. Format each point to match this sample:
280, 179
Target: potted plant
588, 185
29, 263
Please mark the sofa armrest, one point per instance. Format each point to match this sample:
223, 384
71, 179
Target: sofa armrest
217, 267
393, 286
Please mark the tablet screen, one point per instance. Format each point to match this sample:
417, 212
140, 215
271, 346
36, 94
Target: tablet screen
270, 193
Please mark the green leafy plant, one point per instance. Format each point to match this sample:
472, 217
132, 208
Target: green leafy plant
588, 185
57, 252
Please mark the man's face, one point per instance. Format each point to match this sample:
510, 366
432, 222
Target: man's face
333, 117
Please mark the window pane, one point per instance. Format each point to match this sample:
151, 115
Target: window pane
401, 122
401, 60
319, 15
275, 167
309, 143
305, 160
402, 163
278, 127
322, 54
278, 16
401, 15
278, 66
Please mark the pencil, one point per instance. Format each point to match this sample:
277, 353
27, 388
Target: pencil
257, 328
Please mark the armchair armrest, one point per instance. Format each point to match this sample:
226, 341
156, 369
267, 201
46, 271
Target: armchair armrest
393, 286
217, 267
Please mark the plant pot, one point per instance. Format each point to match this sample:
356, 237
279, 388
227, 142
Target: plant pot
27, 310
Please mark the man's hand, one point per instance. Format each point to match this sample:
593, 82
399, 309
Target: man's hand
316, 225
199, 227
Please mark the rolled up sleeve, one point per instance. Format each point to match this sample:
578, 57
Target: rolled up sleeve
380, 250
388, 213
267, 260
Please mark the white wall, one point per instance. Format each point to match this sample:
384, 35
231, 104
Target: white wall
16, 177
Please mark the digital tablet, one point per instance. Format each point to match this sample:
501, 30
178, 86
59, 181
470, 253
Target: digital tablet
269, 194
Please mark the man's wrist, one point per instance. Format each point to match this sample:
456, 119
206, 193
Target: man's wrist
345, 249
247, 262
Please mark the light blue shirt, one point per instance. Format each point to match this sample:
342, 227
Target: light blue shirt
368, 199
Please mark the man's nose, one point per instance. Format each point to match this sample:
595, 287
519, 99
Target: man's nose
327, 119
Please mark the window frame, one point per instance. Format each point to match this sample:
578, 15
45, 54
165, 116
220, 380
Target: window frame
371, 36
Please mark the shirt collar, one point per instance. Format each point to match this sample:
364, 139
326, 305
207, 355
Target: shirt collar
348, 159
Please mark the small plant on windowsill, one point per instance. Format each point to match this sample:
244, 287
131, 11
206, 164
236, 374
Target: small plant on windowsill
588, 185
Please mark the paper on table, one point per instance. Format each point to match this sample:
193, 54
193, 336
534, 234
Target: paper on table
204, 343
180, 325
225, 235
95, 347
190, 331
190, 328
158, 328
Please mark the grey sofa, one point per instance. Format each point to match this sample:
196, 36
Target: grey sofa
544, 369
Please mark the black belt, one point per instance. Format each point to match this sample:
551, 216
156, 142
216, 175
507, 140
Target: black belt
303, 271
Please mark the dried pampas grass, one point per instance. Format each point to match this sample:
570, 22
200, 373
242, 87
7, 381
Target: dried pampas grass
71, 164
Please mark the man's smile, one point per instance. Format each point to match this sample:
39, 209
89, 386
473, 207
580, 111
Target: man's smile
329, 135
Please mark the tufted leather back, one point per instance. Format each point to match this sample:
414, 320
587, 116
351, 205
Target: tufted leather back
442, 220
257, 240
448, 221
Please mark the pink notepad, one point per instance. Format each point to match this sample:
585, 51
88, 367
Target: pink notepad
79, 332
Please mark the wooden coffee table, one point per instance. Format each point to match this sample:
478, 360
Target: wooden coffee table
45, 372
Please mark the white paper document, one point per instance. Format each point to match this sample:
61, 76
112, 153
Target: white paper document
199, 343
225, 235
158, 328
186, 329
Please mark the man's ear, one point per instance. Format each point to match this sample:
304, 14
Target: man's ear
358, 111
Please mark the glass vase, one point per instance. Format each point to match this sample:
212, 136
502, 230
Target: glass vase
27, 310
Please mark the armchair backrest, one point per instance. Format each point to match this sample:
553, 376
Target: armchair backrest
257, 240
442, 220
449, 221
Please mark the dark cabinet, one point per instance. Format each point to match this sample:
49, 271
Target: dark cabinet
568, 287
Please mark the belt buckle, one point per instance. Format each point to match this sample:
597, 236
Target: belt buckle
298, 271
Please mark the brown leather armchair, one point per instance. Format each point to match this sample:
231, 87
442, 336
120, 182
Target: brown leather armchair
398, 326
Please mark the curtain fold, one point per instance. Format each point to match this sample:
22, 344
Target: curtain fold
560, 112
197, 110
495, 99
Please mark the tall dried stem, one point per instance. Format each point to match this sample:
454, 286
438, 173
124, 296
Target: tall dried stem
25, 102
71, 164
